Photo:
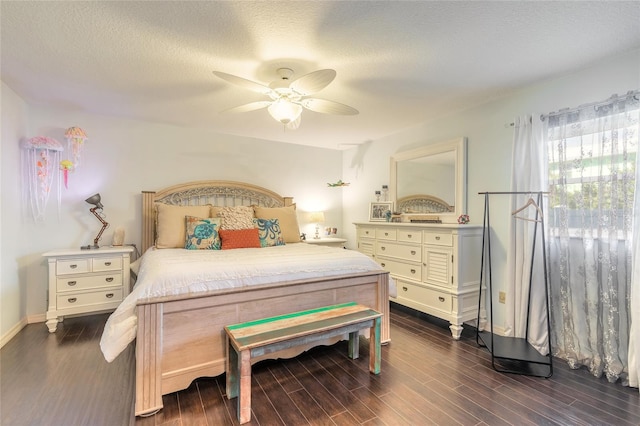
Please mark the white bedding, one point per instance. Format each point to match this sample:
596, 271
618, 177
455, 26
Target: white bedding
171, 272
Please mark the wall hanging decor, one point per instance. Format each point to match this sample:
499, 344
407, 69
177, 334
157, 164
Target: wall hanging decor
41, 154
75, 143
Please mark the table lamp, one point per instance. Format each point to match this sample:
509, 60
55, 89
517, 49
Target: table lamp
317, 218
97, 205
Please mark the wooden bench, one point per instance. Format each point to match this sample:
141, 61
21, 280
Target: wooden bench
269, 335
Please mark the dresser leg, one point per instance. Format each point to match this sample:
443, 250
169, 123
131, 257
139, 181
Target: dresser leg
52, 324
456, 330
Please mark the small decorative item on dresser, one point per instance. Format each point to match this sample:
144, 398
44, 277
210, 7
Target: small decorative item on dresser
463, 219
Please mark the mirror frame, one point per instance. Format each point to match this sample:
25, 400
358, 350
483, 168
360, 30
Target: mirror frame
459, 146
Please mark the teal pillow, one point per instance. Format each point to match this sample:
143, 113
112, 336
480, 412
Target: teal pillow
269, 232
202, 233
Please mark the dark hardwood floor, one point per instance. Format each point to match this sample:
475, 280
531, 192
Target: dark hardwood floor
427, 378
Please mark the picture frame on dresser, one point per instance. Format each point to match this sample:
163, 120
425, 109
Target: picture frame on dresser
378, 211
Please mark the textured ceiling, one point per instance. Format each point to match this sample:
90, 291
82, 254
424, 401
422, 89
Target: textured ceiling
398, 63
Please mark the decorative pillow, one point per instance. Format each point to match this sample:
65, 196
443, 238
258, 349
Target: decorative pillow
170, 225
286, 217
269, 232
239, 238
202, 234
238, 217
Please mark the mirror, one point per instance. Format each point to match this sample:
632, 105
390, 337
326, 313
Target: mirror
431, 180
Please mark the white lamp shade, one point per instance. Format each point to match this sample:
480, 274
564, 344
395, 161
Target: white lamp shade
317, 217
284, 111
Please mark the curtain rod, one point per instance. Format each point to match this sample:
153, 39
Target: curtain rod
630, 94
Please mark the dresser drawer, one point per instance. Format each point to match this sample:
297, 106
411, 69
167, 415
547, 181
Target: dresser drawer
438, 238
73, 266
75, 300
399, 251
400, 269
84, 283
366, 246
386, 234
100, 264
366, 232
409, 236
433, 299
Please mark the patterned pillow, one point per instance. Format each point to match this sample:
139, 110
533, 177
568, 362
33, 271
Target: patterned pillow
238, 217
287, 218
239, 238
269, 232
202, 234
170, 223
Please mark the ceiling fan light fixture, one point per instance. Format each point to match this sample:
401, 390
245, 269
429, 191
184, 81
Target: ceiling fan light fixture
284, 111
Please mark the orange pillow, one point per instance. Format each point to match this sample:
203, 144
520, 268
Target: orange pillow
240, 238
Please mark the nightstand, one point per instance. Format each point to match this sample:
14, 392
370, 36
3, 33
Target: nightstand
329, 242
84, 281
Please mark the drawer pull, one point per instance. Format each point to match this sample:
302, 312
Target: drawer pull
110, 295
440, 298
107, 263
383, 265
72, 299
437, 238
413, 252
386, 234
383, 248
71, 283
404, 289
366, 232
74, 266
413, 271
409, 235
108, 279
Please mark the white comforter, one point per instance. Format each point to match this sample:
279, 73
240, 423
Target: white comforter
170, 272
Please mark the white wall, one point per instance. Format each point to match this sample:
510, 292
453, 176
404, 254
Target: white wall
489, 146
122, 158
12, 243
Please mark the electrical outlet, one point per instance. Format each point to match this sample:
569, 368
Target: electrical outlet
502, 297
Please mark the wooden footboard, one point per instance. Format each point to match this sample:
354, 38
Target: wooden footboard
179, 340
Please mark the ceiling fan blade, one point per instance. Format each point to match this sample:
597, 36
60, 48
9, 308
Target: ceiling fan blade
243, 82
252, 106
328, 107
313, 82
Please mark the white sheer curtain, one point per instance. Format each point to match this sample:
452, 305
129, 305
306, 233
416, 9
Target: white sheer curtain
528, 174
634, 313
592, 175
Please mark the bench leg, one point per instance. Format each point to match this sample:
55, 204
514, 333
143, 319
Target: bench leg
232, 371
244, 398
354, 345
375, 351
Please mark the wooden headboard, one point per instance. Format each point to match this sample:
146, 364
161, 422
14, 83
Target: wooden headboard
215, 192
420, 203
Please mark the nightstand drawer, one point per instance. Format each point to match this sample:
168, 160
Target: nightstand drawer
84, 283
73, 266
438, 238
106, 264
87, 299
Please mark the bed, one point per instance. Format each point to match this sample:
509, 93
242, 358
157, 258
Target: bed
179, 336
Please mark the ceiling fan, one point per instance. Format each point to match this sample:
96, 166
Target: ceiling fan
289, 97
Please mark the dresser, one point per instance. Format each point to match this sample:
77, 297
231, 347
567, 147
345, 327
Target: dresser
436, 266
84, 281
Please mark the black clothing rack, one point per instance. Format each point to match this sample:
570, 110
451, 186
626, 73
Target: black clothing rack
514, 354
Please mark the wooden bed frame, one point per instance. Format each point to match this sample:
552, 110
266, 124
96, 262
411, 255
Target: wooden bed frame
182, 338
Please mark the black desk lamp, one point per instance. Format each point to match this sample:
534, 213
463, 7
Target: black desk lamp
95, 200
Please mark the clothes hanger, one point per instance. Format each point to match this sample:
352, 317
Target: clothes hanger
530, 202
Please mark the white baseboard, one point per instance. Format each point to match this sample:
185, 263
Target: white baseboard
12, 332
32, 319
